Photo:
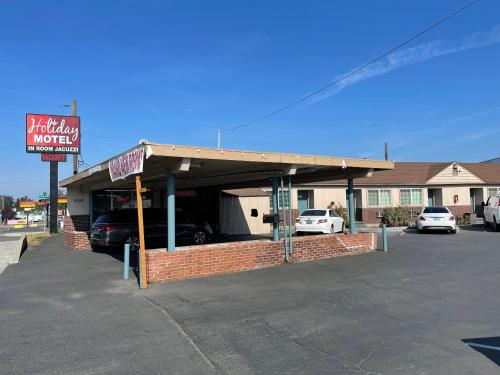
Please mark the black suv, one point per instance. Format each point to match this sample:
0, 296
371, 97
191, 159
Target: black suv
121, 226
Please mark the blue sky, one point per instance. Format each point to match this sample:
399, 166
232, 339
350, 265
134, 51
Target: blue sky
175, 71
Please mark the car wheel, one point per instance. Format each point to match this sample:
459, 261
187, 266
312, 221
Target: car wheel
199, 237
453, 231
494, 224
134, 243
419, 230
332, 229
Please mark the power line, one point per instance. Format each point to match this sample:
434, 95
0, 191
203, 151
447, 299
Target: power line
31, 105
379, 57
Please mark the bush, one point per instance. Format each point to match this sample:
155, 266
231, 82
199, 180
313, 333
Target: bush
342, 212
398, 217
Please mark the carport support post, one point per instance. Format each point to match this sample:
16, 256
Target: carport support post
171, 212
276, 233
352, 216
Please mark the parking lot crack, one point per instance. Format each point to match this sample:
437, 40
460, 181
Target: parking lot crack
191, 342
295, 341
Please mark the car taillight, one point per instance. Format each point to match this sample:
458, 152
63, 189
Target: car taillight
421, 218
452, 218
320, 221
107, 228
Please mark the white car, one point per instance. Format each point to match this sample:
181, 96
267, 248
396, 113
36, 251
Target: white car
492, 212
319, 220
436, 218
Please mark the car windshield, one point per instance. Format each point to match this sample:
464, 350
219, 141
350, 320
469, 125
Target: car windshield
436, 210
314, 213
102, 219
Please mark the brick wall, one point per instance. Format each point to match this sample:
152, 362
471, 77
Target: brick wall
77, 232
199, 261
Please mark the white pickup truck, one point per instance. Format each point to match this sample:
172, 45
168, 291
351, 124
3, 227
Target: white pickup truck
492, 212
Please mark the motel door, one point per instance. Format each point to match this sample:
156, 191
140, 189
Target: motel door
303, 200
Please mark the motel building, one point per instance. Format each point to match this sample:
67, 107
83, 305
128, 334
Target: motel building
231, 190
461, 187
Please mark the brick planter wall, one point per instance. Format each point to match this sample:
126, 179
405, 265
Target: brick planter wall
77, 232
199, 261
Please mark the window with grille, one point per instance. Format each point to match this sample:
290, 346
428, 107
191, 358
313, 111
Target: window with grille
379, 198
493, 191
410, 197
285, 193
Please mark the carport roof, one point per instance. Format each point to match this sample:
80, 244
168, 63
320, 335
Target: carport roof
225, 169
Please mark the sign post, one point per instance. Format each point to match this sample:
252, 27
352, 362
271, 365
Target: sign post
142, 246
53, 196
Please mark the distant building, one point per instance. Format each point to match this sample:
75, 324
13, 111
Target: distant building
491, 161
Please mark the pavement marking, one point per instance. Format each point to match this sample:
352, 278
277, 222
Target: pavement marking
402, 233
473, 344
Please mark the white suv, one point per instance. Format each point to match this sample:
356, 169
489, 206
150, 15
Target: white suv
492, 212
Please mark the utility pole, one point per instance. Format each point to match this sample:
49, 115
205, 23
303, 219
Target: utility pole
386, 151
75, 156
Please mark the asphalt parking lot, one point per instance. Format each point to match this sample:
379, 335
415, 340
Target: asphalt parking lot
429, 306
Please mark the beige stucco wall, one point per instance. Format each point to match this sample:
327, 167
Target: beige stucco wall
324, 195
78, 202
235, 215
462, 192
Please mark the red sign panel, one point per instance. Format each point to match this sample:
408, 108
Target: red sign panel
54, 157
52, 134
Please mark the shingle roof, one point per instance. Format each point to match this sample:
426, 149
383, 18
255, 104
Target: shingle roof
417, 173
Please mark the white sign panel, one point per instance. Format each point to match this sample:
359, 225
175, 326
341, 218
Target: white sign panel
126, 164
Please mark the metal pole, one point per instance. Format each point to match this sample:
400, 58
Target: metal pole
290, 213
352, 216
276, 231
126, 260
75, 156
171, 212
53, 196
384, 237
284, 219
386, 151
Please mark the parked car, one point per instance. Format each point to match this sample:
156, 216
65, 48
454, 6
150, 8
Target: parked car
436, 218
121, 226
319, 221
492, 212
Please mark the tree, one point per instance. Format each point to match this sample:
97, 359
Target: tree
8, 205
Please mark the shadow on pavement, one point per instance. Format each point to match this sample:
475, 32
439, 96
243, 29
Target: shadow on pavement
475, 228
487, 346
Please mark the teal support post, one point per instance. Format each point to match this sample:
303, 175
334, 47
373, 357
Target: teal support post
91, 209
284, 219
384, 237
276, 232
126, 260
171, 212
352, 216
290, 242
